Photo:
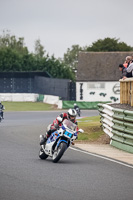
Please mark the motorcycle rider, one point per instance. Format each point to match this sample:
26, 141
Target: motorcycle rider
1, 109
76, 107
70, 115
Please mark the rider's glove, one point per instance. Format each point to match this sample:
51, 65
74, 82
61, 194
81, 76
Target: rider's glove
75, 136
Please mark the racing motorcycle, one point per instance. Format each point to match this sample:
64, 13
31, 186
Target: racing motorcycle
59, 141
1, 111
1, 115
78, 111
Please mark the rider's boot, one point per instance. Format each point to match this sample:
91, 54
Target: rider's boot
43, 139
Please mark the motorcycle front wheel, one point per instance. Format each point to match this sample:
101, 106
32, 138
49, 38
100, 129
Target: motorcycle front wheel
42, 154
59, 152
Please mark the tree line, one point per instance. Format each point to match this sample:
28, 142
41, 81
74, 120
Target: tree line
15, 56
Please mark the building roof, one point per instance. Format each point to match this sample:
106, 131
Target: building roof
100, 66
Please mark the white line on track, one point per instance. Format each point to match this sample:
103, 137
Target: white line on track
105, 158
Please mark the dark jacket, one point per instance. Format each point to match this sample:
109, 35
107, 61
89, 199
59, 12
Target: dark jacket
124, 72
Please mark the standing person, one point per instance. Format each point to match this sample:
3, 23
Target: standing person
1, 110
123, 70
70, 115
129, 61
125, 64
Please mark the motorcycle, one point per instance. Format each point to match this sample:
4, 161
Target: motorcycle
1, 112
78, 111
1, 115
59, 141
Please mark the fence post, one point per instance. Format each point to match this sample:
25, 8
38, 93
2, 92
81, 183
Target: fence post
132, 93
126, 91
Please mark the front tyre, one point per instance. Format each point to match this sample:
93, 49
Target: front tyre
59, 152
42, 154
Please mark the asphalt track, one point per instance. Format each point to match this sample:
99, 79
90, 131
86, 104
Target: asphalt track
78, 175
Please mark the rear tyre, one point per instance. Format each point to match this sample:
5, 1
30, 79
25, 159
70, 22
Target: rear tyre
42, 154
59, 152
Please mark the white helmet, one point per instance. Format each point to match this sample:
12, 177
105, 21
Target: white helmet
72, 114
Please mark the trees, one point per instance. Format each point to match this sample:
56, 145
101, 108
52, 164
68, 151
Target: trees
11, 42
71, 56
14, 56
105, 45
109, 44
39, 49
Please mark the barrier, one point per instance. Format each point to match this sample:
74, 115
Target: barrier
40, 98
126, 91
81, 104
19, 97
117, 123
27, 97
50, 99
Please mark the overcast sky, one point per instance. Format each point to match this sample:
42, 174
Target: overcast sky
59, 24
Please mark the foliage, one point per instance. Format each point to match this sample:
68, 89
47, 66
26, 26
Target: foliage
71, 56
109, 44
14, 56
106, 45
39, 49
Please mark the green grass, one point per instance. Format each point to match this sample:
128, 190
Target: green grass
91, 127
27, 106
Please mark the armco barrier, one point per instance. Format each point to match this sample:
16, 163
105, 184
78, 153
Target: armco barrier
118, 124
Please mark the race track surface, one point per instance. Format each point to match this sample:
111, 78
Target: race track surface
77, 176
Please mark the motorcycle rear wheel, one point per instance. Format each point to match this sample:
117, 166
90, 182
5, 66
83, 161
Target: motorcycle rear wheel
60, 151
42, 154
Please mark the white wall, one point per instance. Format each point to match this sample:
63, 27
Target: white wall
85, 91
18, 97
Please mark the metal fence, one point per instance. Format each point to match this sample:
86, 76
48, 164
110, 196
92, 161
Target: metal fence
37, 82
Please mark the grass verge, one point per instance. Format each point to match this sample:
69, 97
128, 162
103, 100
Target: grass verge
90, 125
27, 106
92, 129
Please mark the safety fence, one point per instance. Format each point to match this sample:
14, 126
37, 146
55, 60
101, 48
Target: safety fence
126, 91
118, 124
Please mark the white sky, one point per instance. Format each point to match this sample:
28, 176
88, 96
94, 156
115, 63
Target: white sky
59, 24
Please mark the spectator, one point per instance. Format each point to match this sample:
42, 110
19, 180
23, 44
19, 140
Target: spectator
129, 61
130, 69
125, 64
123, 70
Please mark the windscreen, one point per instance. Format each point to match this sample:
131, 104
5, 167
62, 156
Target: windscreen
69, 124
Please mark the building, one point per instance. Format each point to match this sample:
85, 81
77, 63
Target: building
98, 76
